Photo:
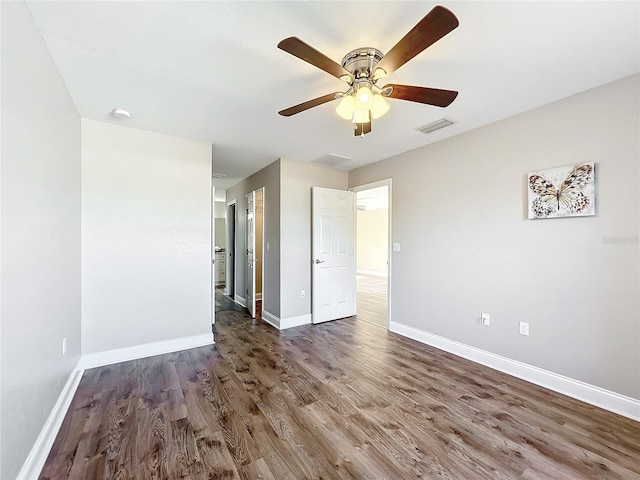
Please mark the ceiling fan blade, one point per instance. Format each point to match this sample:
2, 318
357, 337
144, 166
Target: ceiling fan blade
362, 128
287, 112
298, 48
430, 96
435, 25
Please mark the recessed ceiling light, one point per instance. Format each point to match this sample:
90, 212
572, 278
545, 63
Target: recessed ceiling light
120, 114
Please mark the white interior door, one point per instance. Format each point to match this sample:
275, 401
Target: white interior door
251, 247
213, 256
333, 250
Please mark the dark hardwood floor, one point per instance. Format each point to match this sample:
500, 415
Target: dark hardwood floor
339, 400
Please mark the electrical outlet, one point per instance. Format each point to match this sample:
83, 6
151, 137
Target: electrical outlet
524, 328
486, 319
303, 294
64, 346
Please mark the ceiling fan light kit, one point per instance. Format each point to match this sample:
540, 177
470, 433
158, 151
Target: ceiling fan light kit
363, 67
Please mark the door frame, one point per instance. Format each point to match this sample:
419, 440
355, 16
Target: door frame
367, 186
250, 243
261, 247
213, 253
230, 267
251, 306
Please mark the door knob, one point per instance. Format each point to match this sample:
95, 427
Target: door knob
319, 261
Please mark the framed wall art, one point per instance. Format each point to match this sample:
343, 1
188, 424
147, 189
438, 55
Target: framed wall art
562, 192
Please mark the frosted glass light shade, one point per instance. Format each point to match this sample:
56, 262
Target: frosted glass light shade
364, 98
361, 116
379, 106
346, 107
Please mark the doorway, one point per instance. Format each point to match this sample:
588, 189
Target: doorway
373, 220
230, 228
225, 254
255, 252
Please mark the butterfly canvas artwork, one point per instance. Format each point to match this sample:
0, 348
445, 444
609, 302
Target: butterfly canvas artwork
562, 192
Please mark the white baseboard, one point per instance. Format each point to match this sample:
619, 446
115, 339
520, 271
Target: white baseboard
271, 319
373, 273
295, 321
144, 350
32, 466
240, 300
284, 323
614, 402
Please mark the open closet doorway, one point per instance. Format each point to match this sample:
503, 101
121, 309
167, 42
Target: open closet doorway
373, 215
230, 228
220, 247
255, 252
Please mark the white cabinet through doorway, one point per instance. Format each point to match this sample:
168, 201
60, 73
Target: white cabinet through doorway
220, 270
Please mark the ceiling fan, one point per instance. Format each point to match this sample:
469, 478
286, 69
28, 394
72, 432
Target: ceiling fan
363, 67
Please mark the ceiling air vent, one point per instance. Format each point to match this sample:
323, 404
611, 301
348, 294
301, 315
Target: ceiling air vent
332, 160
433, 126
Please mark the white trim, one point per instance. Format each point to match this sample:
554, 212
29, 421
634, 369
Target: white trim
614, 402
144, 350
240, 300
37, 457
372, 273
271, 319
284, 323
295, 321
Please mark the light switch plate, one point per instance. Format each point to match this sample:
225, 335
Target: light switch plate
396, 247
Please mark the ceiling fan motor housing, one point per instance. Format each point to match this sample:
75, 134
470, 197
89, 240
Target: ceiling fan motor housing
361, 62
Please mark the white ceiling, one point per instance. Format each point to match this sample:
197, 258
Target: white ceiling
211, 71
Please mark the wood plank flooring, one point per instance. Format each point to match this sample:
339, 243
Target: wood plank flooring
339, 400
372, 299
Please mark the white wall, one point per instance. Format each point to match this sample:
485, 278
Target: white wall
220, 212
220, 238
372, 241
459, 212
40, 236
146, 237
